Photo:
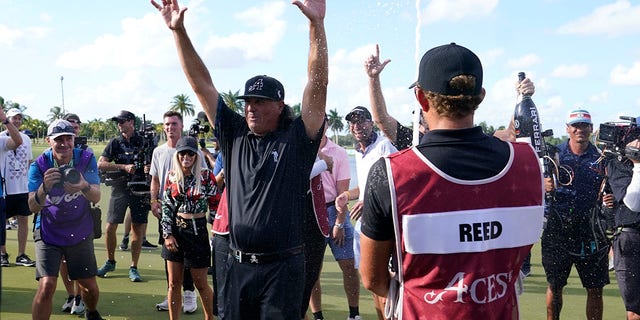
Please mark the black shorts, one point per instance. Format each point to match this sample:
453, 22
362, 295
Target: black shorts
17, 205
626, 256
120, 200
560, 253
194, 250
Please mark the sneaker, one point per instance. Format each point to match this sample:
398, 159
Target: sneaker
4, 260
164, 305
92, 315
189, 303
124, 245
78, 306
134, 276
148, 245
107, 267
12, 225
25, 261
354, 318
68, 303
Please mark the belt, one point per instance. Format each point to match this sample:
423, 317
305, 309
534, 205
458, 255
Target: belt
262, 258
191, 215
330, 204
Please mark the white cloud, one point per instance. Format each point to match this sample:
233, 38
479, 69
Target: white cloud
624, 76
616, 19
571, 71
146, 41
455, 10
525, 61
10, 37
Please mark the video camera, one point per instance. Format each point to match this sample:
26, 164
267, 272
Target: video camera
199, 127
616, 135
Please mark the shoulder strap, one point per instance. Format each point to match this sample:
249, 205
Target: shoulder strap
42, 163
83, 162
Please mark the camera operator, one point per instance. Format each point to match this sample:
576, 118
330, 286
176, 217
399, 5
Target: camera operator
120, 156
624, 178
62, 182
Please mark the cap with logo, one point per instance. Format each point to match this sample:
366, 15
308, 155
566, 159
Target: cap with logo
264, 87
187, 143
441, 64
358, 112
124, 115
60, 127
13, 112
579, 116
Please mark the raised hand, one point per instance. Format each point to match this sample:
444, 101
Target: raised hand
372, 65
171, 12
314, 10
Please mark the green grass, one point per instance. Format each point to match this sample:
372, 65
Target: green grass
122, 299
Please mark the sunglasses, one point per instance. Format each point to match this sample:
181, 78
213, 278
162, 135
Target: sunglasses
74, 121
121, 121
187, 152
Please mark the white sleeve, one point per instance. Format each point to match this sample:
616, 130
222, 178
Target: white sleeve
318, 167
632, 198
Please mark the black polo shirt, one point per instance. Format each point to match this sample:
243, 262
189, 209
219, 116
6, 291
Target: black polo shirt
267, 180
466, 154
122, 151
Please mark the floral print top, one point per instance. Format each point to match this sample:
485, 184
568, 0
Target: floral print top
187, 201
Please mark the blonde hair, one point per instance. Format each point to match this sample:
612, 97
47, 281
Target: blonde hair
177, 176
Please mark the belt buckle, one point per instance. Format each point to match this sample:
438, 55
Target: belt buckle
238, 255
254, 259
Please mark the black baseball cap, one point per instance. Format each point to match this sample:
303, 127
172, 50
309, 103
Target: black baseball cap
359, 112
441, 64
124, 115
72, 116
187, 143
264, 87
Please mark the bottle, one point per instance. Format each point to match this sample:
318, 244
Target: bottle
527, 122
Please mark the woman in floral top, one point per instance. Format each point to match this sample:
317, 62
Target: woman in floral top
189, 191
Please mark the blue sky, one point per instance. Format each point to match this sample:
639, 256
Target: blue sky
118, 54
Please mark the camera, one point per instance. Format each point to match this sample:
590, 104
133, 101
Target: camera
616, 135
68, 174
80, 142
199, 126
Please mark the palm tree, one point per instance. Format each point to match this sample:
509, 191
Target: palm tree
335, 123
232, 101
182, 103
56, 113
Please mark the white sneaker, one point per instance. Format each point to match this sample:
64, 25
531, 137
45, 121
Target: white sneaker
354, 318
68, 303
164, 305
189, 303
78, 307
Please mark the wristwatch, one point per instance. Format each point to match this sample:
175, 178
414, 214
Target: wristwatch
87, 189
166, 235
5, 121
339, 225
